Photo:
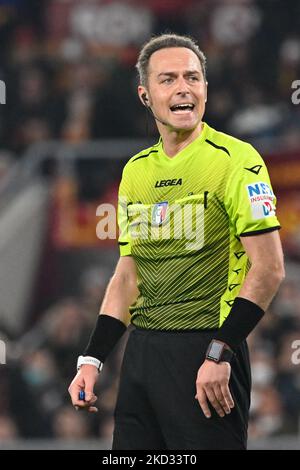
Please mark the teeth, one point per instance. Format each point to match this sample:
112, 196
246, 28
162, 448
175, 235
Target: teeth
182, 106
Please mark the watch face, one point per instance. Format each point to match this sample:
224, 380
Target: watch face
215, 350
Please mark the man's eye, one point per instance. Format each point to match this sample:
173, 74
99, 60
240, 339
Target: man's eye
167, 80
193, 78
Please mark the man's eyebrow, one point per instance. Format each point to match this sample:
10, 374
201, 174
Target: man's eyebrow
172, 74
193, 72
169, 74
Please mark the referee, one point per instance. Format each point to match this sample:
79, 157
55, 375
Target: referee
200, 261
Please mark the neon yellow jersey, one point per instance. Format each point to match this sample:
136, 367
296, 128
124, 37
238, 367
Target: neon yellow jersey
181, 219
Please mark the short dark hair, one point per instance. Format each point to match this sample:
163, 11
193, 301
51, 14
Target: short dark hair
164, 41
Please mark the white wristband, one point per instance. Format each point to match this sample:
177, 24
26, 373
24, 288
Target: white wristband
89, 360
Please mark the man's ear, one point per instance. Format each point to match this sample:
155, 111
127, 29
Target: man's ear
206, 91
143, 95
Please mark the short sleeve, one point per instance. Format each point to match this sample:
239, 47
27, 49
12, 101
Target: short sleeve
249, 198
123, 200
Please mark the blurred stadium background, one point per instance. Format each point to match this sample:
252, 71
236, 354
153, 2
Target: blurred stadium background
70, 122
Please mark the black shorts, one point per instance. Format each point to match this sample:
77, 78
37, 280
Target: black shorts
156, 406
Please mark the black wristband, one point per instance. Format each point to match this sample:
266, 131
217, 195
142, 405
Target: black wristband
242, 319
107, 332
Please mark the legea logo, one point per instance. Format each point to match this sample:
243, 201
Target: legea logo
2, 92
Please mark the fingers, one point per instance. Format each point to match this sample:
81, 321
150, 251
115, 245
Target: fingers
218, 396
212, 386
84, 383
202, 399
90, 397
210, 393
222, 399
92, 409
84, 405
76, 386
227, 395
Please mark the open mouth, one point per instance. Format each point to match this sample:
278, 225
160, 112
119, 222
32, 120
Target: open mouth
182, 108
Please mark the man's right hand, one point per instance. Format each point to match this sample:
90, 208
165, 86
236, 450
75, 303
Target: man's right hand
85, 380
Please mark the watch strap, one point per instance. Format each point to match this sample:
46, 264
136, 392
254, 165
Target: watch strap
93, 361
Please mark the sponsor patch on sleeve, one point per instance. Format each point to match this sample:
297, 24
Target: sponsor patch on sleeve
261, 199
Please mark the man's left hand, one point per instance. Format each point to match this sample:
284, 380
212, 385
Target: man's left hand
212, 384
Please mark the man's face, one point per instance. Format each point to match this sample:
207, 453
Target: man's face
176, 88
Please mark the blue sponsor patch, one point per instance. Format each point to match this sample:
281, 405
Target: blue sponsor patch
261, 199
259, 189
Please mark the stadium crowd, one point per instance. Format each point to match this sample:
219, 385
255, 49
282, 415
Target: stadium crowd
66, 84
73, 84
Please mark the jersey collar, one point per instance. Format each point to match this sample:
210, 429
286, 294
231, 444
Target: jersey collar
186, 150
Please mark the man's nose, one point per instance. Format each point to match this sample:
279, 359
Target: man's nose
182, 86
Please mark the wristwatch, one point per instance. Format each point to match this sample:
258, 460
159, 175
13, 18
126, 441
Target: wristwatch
89, 360
218, 351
